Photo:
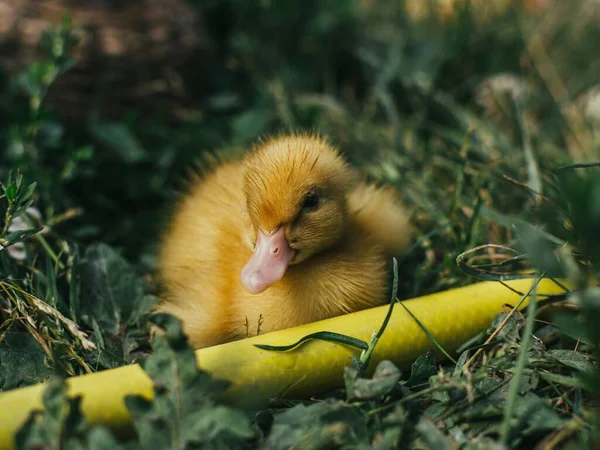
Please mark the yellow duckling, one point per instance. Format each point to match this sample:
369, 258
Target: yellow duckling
287, 235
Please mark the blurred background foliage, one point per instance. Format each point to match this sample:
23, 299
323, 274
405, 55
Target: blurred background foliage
468, 108
398, 85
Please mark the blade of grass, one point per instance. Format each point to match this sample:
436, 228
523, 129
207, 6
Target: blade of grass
365, 357
320, 335
563, 380
519, 369
533, 171
429, 335
510, 222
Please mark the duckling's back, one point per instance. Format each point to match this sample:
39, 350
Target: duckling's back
380, 214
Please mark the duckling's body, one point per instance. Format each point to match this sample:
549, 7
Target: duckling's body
314, 259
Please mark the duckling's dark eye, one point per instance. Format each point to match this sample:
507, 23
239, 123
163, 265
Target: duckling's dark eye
311, 201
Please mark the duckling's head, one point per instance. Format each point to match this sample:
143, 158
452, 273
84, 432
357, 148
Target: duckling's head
295, 189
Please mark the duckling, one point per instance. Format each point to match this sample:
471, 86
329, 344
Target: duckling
286, 235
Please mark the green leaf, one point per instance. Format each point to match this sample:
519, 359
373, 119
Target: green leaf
153, 430
28, 193
43, 427
100, 438
323, 425
111, 289
512, 223
589, 300
580, 191
572, 324
394, 426
184, 411
432, 436
509, 333
384, 379
141, 309
21, 361
533, 415
541, 251
220, 423
11, 192
20, 236
423, 367
569, 358
109, 354
61, 425
119, 138
59, 419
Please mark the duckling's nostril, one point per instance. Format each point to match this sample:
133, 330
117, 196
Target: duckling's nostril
275, 250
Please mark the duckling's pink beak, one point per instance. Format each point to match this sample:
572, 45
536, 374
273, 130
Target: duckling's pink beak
269, 262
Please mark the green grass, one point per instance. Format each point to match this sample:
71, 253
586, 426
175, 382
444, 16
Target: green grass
480, 123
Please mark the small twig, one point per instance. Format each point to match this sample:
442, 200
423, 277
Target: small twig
260, 322
524, 186
579, 166
558, 436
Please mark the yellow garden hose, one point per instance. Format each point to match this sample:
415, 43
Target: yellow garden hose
257, 375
